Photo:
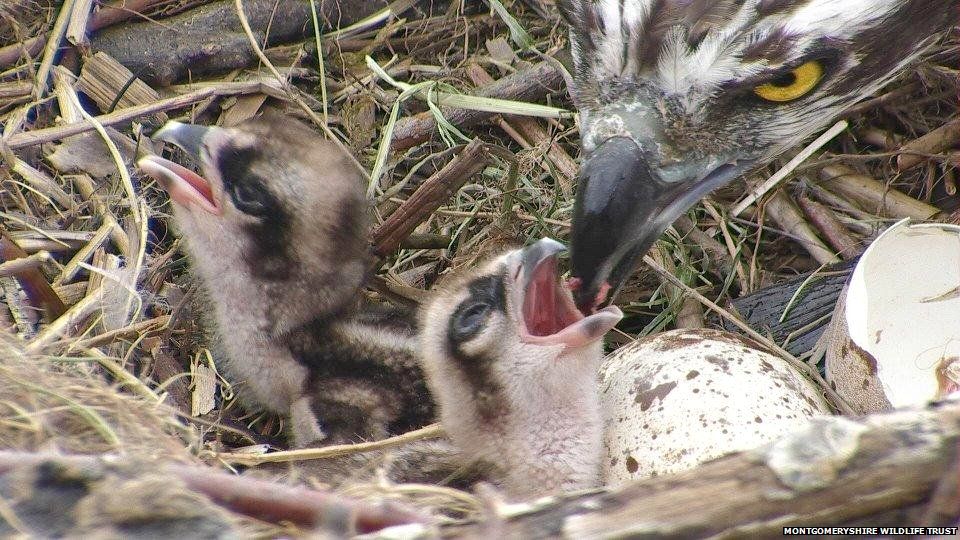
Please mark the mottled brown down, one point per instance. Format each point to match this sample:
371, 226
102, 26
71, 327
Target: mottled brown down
281, 266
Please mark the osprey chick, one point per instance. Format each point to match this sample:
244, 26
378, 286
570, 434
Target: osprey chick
276, 229
512, 366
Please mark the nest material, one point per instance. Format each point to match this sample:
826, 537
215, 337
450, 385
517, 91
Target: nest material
83, 224
61, 404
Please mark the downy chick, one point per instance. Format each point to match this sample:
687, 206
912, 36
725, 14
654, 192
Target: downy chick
276, 229
513, 365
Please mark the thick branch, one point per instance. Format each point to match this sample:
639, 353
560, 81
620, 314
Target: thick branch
838, 471
268, 501
209, 39
530, 84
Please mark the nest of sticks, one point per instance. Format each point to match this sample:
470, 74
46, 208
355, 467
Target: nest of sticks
105, 356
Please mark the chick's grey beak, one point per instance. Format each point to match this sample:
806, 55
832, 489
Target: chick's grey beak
188, 137
623, 205
536, 253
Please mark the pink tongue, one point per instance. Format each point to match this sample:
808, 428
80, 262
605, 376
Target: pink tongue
183, 185
582, 332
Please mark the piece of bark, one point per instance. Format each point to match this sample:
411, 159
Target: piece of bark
168, 372
209, 38
433, 193
88, 153
530, 84
39, 292
111, 85
835, 472
808, 315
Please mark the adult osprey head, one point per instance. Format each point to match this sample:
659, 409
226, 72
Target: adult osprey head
678, 97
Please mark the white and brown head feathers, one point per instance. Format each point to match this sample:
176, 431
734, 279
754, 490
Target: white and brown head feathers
512, 365
679, 97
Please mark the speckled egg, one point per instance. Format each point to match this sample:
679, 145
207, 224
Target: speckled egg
677, 399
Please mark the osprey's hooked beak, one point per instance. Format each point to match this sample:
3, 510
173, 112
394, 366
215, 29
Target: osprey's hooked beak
184, 186
624, 203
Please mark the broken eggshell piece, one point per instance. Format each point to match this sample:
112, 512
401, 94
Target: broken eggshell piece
895, 338
677, 399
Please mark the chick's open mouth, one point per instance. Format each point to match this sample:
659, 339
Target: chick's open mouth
548, 314
183, 185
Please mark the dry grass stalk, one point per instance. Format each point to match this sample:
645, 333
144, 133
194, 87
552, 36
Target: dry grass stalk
332, 451
60, 402
690, 313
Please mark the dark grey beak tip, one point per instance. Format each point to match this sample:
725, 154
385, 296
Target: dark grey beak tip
188, 137
537, 252
613, 192
623, 205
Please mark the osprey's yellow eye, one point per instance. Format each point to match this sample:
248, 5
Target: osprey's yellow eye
795, 84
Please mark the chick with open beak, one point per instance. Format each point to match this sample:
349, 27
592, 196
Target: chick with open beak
512, 365
276, 227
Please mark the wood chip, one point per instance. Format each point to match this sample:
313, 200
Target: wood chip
112, 86
203, 395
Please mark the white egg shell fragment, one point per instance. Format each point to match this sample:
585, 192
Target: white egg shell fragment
677, 399
896, 333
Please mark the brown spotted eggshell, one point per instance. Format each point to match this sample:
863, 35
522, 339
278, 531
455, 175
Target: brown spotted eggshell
679, 398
